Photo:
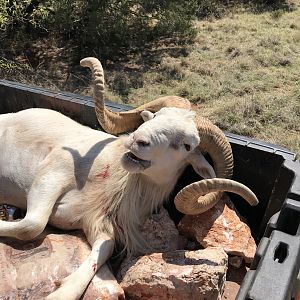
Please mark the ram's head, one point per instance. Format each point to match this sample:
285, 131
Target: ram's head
194, 135
163, 142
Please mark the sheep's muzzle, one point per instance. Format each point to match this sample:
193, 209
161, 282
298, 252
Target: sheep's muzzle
132, 163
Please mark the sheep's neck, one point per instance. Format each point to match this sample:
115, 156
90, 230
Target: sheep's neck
122, 205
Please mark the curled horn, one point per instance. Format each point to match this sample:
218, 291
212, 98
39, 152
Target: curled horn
118, 122
199, 196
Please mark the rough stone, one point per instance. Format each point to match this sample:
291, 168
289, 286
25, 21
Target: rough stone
175, 275
29, 269
161, 234
104, 287
235, 261
234, 278
221, 226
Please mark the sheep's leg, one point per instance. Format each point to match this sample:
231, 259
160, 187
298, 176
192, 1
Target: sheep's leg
41, 198
105, 285
74, 285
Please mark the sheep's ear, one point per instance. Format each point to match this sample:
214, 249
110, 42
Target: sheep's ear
201, 165
147, 115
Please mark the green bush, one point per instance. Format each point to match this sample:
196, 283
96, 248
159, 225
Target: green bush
95, 26
208, 8
112, 26
106, 28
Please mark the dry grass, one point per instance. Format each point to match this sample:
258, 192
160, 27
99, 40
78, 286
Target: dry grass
243, 72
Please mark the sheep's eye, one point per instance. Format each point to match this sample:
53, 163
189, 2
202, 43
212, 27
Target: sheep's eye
187, 147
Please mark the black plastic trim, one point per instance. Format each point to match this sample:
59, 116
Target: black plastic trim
260, 145
274, 271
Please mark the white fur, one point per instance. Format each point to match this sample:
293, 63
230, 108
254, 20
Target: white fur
74, 177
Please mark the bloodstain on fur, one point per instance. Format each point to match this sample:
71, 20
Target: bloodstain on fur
104, 174
94, 267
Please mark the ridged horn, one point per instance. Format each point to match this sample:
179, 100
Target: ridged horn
201, 196
119, 122
190, 200
213, 141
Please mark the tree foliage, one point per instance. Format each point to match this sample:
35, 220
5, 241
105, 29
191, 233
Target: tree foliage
109, 25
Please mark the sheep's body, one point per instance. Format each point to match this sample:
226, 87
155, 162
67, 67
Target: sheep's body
70, 176
68, 148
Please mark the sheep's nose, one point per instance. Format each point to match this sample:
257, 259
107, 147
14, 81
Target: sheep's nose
140, 141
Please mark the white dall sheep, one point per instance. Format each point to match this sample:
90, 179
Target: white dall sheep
74, 177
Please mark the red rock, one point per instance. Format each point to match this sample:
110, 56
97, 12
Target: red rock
175, 275
161, 234
220, 226
104, 287
29, 269
234, 278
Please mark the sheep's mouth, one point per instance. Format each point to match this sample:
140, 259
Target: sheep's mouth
132, 158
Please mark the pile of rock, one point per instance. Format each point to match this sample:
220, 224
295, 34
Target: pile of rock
221, 226
175, 275
170, 271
